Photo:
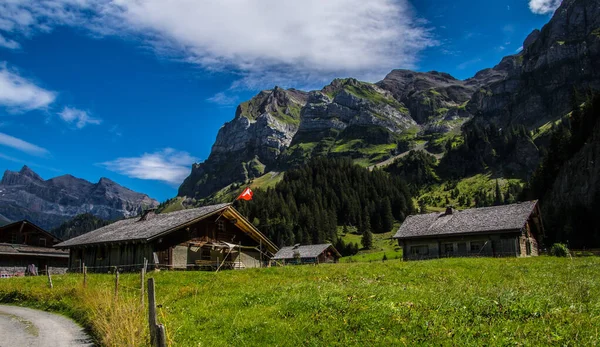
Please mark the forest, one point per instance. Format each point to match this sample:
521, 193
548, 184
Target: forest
310, 202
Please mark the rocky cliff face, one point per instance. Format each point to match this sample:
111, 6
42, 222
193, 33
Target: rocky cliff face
48, 203
262, 128
564, 55
348, 102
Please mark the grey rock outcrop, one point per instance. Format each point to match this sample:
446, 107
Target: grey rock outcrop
564, 55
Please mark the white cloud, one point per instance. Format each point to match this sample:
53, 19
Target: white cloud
23, 146
20, 94
544, 6
264, 41
168, 165
223, 99
7, 43
78, 117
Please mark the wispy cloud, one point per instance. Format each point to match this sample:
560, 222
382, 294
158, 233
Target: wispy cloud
262, 41
23, 146
468, 63
223, 99
19, 94
544, 6
168, 165
77, 117
7, 43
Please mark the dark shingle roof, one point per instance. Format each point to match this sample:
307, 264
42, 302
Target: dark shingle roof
475, 220
134, 229
308, 251
16, 249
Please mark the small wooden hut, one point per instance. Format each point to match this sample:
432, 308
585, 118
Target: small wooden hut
209, 237
25, 247
498, 231
308, 254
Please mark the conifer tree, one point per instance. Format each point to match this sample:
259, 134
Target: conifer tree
498, 196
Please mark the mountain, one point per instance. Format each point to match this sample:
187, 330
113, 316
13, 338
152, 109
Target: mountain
495, 123
48, 203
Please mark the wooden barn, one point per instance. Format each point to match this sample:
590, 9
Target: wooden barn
208, 237
308, 254
500, 231
27, 248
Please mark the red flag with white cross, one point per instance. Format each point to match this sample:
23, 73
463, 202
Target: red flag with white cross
246, 194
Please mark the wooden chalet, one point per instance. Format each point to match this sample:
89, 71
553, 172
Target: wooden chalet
500, 231
27, 248
208, 237
308, 254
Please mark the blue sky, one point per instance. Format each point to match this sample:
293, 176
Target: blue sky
136, 90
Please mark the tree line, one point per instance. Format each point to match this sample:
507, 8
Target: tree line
311, 201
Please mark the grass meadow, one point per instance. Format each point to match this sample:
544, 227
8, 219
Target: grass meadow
485, 301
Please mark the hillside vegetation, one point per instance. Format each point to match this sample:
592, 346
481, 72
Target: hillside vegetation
453, 302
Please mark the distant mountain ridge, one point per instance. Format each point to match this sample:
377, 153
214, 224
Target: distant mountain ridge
49, 203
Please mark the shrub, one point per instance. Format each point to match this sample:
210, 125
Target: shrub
559, 250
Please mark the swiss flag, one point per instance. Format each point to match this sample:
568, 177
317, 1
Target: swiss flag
246, 195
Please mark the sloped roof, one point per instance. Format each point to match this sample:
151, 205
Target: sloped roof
475, 220
17, 249
25, 221
307, 251
134, 229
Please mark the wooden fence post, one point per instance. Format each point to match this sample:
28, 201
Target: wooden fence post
142, 275
161, 336
152, 311
49, 278
116, 283
84, 276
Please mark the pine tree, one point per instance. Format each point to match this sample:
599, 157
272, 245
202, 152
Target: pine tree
367, 239
498, 199
387, 218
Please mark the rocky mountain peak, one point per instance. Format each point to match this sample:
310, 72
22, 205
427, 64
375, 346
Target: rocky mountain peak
531, 38
27, 172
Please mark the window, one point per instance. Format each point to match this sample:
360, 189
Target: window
448, 248
42, 242
476, 246
528, 243
419, 250
205, 254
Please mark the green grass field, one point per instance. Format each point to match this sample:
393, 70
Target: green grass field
452, 302
382, 244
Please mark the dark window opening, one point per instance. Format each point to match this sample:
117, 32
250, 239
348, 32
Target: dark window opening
449, 248
476, 246
419, 250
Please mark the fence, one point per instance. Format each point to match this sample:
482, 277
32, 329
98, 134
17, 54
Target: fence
158, 336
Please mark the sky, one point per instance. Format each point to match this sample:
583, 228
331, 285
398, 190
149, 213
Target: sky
136, 90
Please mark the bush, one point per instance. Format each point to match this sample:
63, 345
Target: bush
559, 250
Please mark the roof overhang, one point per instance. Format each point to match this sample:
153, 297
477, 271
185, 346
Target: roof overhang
44, 255
472, 233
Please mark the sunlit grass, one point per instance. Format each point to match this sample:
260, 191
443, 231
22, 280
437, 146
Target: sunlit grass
531, 301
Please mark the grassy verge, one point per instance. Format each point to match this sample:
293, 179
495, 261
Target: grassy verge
533, 301
111, 322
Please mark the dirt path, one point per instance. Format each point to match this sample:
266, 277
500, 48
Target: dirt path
420, 147
20, 326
